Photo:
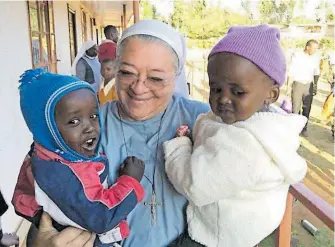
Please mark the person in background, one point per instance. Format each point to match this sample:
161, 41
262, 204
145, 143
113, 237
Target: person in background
327, 114
86, 65
107, 49
7, 239
324, 62
303, 77
107, 90
106, 55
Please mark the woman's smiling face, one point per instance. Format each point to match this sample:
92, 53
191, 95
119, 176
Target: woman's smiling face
145, 78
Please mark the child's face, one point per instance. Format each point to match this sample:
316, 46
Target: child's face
107, 71
238, 88
78, 122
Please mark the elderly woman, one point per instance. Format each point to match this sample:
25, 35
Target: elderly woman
149, 58
86, 65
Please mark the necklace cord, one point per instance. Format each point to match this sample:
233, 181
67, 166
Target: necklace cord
157, 145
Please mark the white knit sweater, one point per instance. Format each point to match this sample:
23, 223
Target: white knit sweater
237, 177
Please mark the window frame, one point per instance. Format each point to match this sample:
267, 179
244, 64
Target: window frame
83, 25
75, 42
49, 33
92, 28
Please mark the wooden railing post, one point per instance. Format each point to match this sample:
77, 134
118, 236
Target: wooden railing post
283, 238
314, 203
321, 209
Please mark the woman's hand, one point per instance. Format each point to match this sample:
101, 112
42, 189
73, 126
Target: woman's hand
9, 239
70, 237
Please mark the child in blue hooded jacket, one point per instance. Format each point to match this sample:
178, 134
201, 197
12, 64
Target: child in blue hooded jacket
70, 175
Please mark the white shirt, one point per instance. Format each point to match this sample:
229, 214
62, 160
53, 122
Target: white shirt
106, 88
304, 67
236, 177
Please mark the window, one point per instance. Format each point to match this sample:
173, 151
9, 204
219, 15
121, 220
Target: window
97, 35
72, 33
92, 28
84, 26
42, 35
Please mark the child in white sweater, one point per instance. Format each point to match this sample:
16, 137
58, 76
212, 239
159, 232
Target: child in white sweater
237, 173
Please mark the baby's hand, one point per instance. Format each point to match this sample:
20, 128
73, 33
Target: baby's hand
132, 167
183, 130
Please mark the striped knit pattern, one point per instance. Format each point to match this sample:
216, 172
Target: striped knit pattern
260, 45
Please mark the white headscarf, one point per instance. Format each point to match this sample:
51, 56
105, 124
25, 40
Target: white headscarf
86, 46
172, 37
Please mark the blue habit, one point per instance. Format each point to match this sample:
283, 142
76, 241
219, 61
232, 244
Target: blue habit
141, 140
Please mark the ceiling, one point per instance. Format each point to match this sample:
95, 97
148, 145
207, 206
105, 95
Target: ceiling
109, 12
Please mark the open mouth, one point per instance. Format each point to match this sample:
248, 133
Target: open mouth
90, 144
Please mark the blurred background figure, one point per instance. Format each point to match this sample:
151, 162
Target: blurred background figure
7, 239
86, 65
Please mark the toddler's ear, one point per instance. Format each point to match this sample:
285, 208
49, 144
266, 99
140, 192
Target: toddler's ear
274, 94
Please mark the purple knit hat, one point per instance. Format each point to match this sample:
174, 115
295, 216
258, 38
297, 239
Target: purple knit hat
260, 45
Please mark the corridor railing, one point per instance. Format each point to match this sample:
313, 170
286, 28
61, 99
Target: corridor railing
311, 201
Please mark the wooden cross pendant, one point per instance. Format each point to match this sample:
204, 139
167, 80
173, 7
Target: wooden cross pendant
153, 204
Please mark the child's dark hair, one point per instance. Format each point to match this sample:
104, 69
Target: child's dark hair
110, 27
108, 60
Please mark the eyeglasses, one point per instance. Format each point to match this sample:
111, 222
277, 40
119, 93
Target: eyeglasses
128, 78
